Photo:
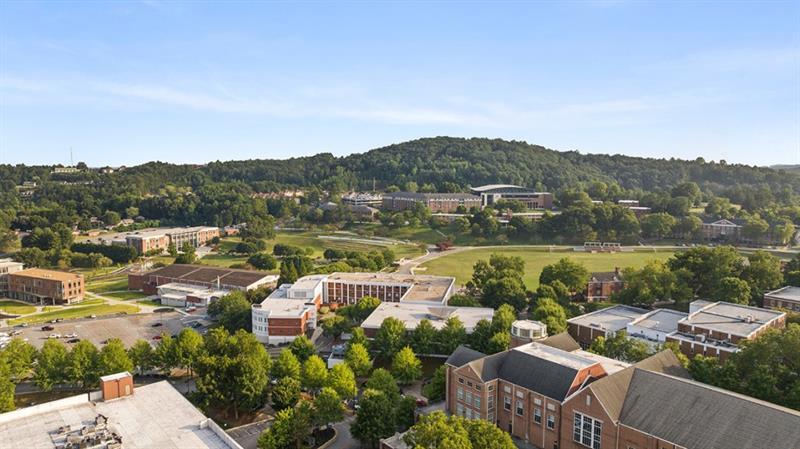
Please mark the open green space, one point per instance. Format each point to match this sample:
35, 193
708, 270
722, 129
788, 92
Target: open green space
111, 284
222, 260
76, 312
16, 307
126, 295
459, 264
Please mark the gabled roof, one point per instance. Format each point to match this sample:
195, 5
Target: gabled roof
695, 415
612, 390
562, 341
463, 355
606, 276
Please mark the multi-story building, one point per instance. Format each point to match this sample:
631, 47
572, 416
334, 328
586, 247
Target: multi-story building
436, 202
603, 284
363, 199
46, 286
654, 405
295, 305
7, 266
490, 194
721, 230
654, 327
602, 323
521, 390
715, 329
159, 239
783, 298
412, 313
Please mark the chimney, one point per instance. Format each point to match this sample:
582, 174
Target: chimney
116, 386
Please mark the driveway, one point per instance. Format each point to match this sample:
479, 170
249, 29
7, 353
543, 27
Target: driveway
247, 435
344, 439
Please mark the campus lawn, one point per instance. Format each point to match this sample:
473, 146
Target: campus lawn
222, 260
111, 284
125, 296
16, 307
76, 312
459, 264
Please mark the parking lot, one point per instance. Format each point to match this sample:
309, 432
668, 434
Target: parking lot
127, 328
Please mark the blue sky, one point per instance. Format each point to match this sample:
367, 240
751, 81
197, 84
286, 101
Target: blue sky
129, 82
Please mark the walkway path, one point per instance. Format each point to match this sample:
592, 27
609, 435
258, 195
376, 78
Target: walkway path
344, 439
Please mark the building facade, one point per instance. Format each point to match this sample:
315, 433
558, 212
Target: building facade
787, 298
721, 230
602, 323
436, 202
491, 194
603, 284
41, 286
7, 266
202, 276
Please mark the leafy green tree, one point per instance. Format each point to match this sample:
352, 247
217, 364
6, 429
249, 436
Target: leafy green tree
358, 337
688, 226
755, 228
504, 290
51, 365
440, 431
7, 386
499, 342
390, 338
435, 389
658, 225
232, 311
329, 407
343, 381
423, 337
290, 428
357, 358
703, 268
166, 353
314, 374
406, 367
302, 348
187, 255
651, 283
459, 300
480, 336
503, 317
483, 434
383, 381
375, 418
552, 314
286, 393
364, 307
762, 273
19, 356
732, 289
286, 365
263, 261
451, 335
113, 358
189, 348
82, 367
572, 274
335, 326
142, 356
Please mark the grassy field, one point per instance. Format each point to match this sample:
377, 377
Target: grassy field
16, 307
111, 284
76, 312
125, 296
460, 264
222, 260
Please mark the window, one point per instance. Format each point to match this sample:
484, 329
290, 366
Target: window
551, 421
507, 389
460, 394
469, 398
588, 400
490, 403
477, 402
537, 401
469, 384
478, 387
507, 403
537, 415
490, 418
586, 430
520, 394
461, 380
491, 388
459, 409
520, 409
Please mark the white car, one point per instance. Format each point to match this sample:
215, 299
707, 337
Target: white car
72, 335
54, 336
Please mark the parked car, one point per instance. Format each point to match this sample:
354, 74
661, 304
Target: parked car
422, 402
157, 337
22, 325
73, 340
196, 324
54, 336
157, 324
72, 335
191, 309
48, 328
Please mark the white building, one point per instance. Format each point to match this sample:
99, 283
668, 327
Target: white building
653, 327
289, 311
176, 294
411, 314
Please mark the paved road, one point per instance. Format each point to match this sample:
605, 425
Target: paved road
247, 435
344, 439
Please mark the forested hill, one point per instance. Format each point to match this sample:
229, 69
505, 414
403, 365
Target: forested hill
447, 163
478, 161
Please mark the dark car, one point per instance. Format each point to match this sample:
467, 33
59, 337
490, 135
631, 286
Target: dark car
48, 328
73, 340
157, 324
196, 324
157, 337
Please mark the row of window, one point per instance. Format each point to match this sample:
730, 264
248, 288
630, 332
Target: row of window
476, 386
586, 430
469, 398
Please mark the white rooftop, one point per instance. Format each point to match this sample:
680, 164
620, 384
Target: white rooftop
284, 308
569, 359
730, 318
611, 319
190, 289
156, 416
788, 293
661, 320
610, 365
411, 313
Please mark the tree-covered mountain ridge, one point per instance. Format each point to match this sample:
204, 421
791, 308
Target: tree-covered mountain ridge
445, 162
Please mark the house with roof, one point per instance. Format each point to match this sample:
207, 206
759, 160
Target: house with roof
603, 284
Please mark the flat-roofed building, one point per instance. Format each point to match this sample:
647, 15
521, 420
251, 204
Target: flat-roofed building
436, 202
654, 327
42, 286
200, 276
153, 416
717, 328
492, 193
526, 331
7, 266
363, 199
602, 323
783, 298
412, 313
348, 288
176, 294
279, 320
158, 239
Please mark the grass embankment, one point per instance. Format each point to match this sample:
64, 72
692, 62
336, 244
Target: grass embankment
126, 295
110, 284
16, 307
459, 264
68, 312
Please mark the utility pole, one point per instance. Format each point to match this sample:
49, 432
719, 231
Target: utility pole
71, 162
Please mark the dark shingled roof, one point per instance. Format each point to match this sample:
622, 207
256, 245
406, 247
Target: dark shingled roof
606, 276
537, 374
695, 415
562, 341
463, 355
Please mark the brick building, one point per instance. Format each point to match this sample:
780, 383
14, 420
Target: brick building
721, 230
7, 266
783, 298
602, 323
199, 276
715, 329
603, 284
41, 286
491, 194
158, 239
